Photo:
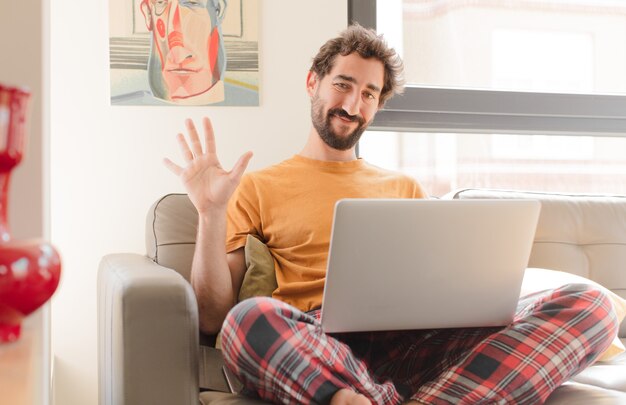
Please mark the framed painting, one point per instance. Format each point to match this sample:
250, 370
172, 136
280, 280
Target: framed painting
184, 52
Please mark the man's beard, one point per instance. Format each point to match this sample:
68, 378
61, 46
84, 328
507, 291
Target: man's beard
322, 125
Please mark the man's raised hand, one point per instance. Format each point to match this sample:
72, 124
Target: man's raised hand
208, 185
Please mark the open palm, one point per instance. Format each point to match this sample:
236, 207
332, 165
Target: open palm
208, 185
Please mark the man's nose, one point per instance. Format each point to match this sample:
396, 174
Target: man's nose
352, 103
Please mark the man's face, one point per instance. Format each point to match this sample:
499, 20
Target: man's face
187, 46
344, 102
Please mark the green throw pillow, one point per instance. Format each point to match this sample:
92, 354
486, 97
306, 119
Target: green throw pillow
260, 278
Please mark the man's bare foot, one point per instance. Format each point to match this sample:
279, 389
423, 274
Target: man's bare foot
346, 396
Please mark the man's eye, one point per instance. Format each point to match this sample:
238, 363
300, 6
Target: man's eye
342, 86
370, 96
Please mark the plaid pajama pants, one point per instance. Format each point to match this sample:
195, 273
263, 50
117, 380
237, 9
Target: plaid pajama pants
282, 355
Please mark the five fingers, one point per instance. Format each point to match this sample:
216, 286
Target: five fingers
196, 149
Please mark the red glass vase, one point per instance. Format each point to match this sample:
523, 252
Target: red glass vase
29, 269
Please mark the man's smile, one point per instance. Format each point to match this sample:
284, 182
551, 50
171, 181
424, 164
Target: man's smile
344, 119
343, 116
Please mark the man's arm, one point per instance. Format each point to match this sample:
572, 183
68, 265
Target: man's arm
215, 276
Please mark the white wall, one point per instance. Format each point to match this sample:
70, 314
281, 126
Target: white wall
106, 161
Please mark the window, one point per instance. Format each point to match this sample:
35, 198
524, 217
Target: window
443, 162
526, 94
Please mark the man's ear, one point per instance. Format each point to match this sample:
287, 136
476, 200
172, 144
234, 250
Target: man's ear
312, 80
147, 14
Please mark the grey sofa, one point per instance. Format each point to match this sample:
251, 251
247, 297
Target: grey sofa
151, 352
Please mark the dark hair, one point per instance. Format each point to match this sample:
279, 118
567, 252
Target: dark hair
367, 44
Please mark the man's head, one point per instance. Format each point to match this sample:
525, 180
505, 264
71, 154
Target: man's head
349, 81
188, 56
367, 44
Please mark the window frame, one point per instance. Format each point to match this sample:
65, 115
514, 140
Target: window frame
437, 109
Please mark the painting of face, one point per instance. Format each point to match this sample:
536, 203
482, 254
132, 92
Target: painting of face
179, 53
187, 56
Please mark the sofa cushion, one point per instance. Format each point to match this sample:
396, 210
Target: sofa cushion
609, 375
576, 233
541, 279
574, 393
220, 398
171, 226
260, 277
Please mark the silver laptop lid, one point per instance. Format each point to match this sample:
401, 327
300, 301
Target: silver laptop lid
420, 264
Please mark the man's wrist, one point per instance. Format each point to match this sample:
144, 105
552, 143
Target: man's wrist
212, 215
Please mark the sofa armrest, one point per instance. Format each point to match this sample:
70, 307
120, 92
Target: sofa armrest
147, 333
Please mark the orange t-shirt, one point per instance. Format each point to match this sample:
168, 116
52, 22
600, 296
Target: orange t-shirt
289, 206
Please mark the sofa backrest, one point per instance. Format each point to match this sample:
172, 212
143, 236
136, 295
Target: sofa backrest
171, 226
580, 234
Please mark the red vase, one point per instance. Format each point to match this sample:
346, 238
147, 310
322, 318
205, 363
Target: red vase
29, 269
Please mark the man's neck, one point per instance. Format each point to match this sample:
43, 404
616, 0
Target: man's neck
315, 148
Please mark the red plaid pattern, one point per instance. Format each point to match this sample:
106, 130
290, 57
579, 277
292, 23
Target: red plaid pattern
282, 355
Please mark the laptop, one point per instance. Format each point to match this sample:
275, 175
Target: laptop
422, 264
